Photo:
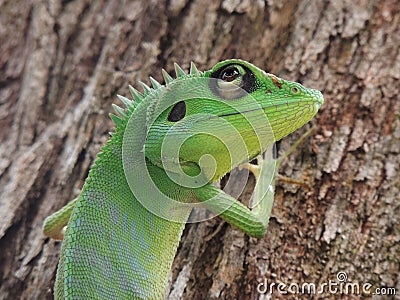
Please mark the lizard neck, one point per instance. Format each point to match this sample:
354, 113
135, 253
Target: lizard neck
112, 236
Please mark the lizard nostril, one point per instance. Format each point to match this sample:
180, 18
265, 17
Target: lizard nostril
295, 90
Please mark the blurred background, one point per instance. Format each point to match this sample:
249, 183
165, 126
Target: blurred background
63, 62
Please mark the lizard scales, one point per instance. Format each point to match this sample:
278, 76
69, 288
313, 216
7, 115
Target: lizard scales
115, 248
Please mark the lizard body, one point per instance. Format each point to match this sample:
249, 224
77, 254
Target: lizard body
170, 143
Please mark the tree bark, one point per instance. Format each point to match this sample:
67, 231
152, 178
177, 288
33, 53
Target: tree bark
63, 62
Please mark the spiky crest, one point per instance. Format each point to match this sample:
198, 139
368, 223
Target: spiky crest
146, 88
154, 83
128, 103
117, 120
122, 113
136, 95
167, 77
178, 71
193, 69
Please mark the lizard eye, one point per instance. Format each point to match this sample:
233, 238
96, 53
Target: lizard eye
177, 112
233, 74
233, 81
230, 74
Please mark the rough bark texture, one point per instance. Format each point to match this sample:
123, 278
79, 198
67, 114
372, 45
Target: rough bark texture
63, 62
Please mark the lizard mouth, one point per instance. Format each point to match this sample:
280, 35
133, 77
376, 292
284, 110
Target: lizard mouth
239, 112
306, 107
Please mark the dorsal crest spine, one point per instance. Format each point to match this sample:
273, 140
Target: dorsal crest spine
130, 105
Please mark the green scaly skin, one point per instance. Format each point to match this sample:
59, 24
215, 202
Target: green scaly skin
113, 247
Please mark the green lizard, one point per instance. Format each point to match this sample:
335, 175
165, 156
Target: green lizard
170, 144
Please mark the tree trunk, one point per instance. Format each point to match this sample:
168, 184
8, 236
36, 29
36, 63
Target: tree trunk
63, 62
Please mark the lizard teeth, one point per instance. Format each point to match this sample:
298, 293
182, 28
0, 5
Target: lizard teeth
178, 70
167, 77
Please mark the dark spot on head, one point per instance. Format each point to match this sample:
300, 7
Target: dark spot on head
276, 82
268, 91
178, 112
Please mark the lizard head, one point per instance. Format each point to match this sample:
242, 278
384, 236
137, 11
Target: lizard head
287, 105
217, 119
